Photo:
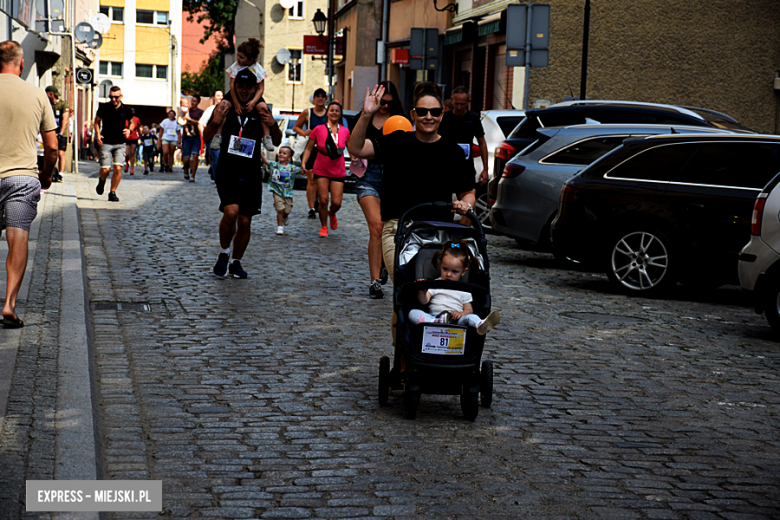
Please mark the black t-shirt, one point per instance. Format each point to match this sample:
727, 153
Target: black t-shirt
462, 130
114, 120
417, 172
148, 141
191, 129
243, 163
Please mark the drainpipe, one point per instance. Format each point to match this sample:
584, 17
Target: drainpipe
385, 29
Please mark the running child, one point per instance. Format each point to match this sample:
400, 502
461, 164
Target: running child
149, 145
246, 58
281, 185
448, 305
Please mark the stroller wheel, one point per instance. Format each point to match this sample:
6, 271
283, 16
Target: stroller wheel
411, 401
486, 384
469, 404
384, 379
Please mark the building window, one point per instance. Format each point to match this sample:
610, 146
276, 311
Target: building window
115, 14
294, 66
297, 11
144, 17
151, 71
152, 17
144, 71
110, 68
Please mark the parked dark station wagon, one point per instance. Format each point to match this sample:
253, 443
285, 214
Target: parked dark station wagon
663, 209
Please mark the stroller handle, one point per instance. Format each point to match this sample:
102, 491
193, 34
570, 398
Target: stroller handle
439, 204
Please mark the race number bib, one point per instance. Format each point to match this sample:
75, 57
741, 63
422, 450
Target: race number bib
243, 147
281, 177
148, 142
466, 149
444, 341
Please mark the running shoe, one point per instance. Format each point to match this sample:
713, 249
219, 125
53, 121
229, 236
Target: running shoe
334, 223
146, 172
312, 214
488, 323
286, 220
234, 270
221, 267
100, 187
269, 143
186, 175
112, 196
375, 291
280, 230
324, 232
126, 167
383, 274
216, 141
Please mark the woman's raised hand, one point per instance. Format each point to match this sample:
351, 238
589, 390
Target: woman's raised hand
371, 104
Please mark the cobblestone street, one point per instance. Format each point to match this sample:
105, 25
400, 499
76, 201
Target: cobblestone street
257, 398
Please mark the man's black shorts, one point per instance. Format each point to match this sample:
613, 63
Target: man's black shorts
62, 143
248, 195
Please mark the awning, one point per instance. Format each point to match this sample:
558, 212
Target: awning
453, 35
489, 25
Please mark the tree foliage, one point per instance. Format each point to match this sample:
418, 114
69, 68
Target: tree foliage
219, 16
209, 79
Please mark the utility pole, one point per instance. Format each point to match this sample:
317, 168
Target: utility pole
331, 44
585, 40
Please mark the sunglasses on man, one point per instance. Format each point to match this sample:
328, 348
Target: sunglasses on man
422, 112
114, 97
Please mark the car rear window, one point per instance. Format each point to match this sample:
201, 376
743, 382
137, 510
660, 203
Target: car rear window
584, 152
656, 164
741, 165
507, 124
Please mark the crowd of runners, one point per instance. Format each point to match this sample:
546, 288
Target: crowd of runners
397, 169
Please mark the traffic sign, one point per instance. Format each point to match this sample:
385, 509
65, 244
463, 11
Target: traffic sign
84, 76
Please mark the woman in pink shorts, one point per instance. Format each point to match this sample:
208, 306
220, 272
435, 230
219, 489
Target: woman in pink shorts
329, 167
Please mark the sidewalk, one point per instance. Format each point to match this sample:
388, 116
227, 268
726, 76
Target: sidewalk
47, 429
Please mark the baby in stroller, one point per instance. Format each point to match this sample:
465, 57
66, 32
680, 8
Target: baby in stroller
448, 305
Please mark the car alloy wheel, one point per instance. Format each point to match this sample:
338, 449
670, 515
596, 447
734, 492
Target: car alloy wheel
640, 261
482, 210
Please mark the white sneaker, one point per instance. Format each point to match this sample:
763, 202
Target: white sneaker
216, 142
269, 143
488, 323
280, 230
286, 220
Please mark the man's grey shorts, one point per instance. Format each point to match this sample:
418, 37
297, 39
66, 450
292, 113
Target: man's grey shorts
19, 196
109, 151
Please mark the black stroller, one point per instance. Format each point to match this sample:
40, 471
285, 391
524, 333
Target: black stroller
433, 358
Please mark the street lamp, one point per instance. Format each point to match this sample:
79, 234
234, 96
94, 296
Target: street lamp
320, 21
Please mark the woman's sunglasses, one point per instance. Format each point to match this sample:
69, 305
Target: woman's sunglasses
422, 112
384, 102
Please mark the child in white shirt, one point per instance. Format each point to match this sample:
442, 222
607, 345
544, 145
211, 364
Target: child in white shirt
449, 304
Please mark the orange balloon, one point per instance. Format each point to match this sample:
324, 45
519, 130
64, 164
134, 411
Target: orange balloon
395, 123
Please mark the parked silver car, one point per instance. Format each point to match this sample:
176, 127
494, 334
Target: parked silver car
530, 186
497, 125
759, 260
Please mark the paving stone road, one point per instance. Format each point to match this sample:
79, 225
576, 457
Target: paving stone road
257, 398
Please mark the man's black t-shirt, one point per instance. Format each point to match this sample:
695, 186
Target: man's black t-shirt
416, 172
114, 121
462, 130
242, 161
